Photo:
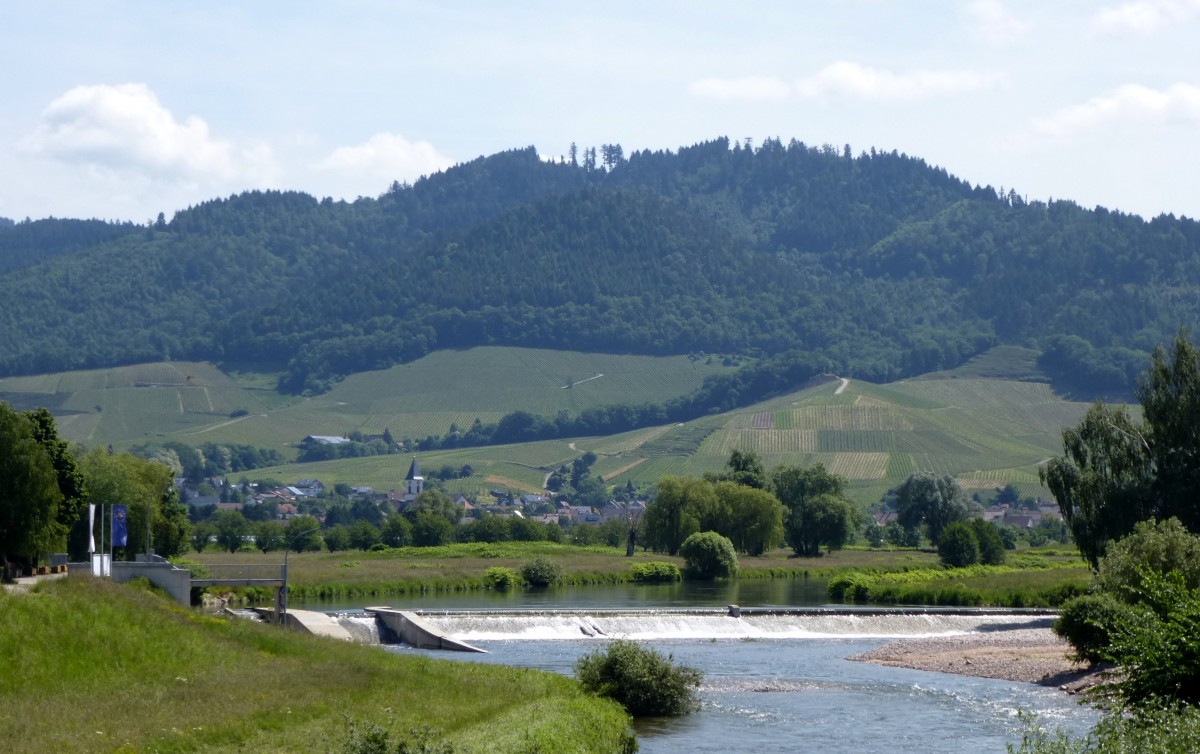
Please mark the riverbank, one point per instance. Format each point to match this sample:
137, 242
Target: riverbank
1026, 655
885, 577
102, 667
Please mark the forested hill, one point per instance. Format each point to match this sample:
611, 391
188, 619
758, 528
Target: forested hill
881, 264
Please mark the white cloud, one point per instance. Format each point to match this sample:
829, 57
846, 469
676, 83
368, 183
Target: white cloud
846, 79
389, 157
853, 80
1143, 16
1132, 103
124, 129
994, 23
752, 88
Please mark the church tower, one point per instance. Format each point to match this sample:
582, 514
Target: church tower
414, 483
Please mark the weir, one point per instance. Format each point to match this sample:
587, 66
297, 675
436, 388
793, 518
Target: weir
456, 629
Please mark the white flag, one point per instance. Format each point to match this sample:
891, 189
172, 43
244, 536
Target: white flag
91, 527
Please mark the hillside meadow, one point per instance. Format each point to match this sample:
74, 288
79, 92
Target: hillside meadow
989, 423
92, 666
196, 403
986, 433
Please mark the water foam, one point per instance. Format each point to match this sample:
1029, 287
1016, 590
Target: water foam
666, 625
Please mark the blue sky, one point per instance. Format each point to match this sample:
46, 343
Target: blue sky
122, 110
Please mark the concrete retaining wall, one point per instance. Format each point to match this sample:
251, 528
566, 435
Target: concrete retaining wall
175, 581
412, 630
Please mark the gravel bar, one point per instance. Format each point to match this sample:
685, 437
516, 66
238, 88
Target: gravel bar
1027, 655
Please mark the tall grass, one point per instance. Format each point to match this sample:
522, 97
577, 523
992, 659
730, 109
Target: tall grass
93, 666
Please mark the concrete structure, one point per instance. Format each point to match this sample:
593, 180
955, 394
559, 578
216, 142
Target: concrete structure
175, 581
311, 622
412, 630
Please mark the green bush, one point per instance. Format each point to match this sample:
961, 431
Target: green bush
958, 547
641, 679
991, 544
654, 572
541, 571
1087, 623
849, 587
1158, 546
501, 579
708, 555
1157, 644
1155, 730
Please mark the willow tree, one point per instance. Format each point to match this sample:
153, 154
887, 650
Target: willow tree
1116, 471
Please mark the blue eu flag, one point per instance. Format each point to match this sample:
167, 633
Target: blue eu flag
120, 532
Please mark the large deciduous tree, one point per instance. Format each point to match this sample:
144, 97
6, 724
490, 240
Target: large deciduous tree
29, 492
743, 467
935, 501
232, 529
1116, 471
818, 512
145, 487
681, 507
70, 480
753, 518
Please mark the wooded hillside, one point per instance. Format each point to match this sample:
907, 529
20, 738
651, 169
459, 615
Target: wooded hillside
880, 265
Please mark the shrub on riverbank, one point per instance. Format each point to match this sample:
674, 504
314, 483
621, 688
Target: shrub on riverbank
641, 679
1086, 622
655, 572
502, 579
708, 555
541, 572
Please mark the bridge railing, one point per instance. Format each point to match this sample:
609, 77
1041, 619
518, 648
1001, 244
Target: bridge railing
237, 571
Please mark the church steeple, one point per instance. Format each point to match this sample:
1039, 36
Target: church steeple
414, 483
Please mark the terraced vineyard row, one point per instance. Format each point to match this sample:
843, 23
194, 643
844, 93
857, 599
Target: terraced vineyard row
761, 441
872, 418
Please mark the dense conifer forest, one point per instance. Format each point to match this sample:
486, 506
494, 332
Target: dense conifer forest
876, 266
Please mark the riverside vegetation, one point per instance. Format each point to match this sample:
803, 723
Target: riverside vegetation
1128, 490
92, 666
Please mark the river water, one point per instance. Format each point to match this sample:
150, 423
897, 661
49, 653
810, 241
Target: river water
771, 682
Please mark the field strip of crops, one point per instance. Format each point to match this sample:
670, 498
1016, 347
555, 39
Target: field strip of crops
608, 477
850, 417
512, 483
859, 465
762, 441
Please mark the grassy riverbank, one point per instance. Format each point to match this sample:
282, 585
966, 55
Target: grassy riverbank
1034, 577
94, 666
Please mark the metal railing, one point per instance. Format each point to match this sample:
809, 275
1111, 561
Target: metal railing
237, 572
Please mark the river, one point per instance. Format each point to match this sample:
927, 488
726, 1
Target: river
771, 683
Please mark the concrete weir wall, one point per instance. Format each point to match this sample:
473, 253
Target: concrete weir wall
412, 630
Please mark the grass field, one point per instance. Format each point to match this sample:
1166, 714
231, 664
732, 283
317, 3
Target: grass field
92, 666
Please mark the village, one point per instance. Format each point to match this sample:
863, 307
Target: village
539, 516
